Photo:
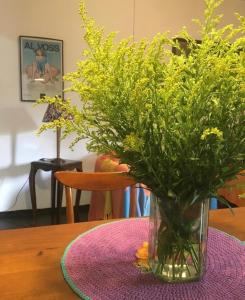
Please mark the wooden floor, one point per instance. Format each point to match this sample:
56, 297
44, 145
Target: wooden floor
23, 218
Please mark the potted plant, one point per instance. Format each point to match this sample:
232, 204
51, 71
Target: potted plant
176, 120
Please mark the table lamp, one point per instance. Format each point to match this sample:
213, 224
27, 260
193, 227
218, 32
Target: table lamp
54, 112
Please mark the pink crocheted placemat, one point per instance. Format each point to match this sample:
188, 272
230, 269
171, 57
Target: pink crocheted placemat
99, 264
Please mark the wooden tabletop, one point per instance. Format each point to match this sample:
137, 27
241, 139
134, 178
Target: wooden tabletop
30, 257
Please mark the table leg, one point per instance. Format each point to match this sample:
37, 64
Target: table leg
32, 175
59, 201
53, 192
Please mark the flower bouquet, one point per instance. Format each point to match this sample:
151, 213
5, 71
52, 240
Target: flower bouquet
176, 120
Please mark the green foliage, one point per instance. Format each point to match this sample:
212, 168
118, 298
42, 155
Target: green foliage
178, 121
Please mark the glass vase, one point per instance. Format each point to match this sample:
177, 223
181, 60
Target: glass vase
177, 240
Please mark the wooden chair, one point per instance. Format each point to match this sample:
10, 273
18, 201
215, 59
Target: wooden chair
233, 189
95, 181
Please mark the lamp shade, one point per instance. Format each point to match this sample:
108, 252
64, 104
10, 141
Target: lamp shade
52, 113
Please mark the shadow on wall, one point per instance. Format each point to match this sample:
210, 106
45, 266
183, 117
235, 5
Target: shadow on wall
16, 128
20, 146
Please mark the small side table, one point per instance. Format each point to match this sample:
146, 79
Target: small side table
56, 187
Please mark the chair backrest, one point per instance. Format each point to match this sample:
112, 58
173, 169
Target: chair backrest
233, 190
95, 181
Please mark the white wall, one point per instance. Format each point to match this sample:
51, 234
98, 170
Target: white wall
59, 19
153, 16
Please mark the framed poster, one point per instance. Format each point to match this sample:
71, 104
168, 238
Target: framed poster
183, 44
41, 67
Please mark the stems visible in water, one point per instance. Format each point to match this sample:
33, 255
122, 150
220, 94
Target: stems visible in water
178, 252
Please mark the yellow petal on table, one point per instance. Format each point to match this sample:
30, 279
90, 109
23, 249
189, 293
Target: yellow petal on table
142, 252
142, 258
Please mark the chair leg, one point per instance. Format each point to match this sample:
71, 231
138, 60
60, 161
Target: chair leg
77, 204
69, 205
132, 201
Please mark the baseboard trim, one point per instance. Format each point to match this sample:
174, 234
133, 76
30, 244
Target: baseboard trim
40, 211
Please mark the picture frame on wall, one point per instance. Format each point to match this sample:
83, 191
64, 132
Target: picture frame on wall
183, 45
41, 67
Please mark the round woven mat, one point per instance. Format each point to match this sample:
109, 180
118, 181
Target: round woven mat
99, 264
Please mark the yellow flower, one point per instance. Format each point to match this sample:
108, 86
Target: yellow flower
214, 131
148, 107
132, 142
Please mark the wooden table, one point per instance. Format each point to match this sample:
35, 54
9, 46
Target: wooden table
30, 258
